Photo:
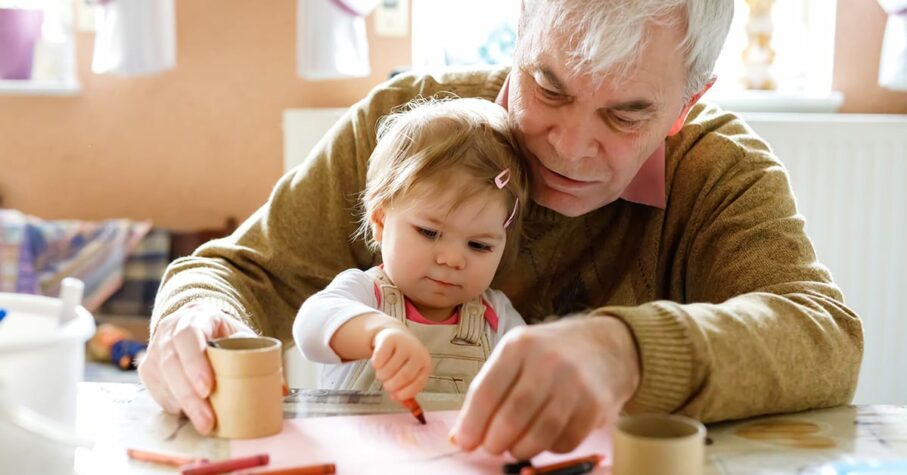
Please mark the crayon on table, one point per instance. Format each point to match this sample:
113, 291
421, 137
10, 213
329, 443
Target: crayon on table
594, 459
225, 466
515, 468
415, 409
173, 460
577, 469
321, 469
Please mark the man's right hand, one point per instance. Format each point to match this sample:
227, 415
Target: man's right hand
175, 369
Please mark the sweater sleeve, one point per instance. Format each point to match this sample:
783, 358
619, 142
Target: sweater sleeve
349, 295
754, 323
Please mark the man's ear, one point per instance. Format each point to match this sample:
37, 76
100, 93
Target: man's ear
682, 118
377, 220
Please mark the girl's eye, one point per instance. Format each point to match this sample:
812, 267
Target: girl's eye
428, 233
478, 246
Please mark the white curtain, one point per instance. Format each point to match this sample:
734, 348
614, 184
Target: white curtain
135, 37
893, 62
331, 40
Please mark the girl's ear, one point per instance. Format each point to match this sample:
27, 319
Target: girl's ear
377, 220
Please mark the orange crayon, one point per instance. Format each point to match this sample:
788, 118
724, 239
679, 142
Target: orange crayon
593, 459
164, 459
415, 409
321, 469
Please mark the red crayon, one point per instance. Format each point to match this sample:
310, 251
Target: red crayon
415, 409
224, 466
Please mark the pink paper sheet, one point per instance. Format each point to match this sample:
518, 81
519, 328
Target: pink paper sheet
391, 443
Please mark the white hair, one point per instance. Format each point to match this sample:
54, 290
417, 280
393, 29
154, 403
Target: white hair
608, 36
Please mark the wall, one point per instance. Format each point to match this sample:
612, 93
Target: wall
195, 145
858, 44
187, 148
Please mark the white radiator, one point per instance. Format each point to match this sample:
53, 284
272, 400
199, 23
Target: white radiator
848, 173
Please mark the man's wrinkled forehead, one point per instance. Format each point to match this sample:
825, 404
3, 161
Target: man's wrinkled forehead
553, 54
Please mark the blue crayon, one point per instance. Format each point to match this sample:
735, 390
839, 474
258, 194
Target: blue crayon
2, 314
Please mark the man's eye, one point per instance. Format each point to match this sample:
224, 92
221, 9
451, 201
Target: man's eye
625, 123
428, 233
549, 94
478, 246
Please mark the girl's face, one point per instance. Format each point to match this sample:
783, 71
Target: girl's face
437, 256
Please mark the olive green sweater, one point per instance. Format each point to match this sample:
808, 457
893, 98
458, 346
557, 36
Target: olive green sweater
731, 311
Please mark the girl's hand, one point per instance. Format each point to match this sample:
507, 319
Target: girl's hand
401, 362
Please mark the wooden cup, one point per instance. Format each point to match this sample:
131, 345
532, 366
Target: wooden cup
662, 444
248, 388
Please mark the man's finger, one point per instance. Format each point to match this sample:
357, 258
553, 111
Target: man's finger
522, 405
150, 374
548, 423
583, 421
198, 409
485, 393
189, 344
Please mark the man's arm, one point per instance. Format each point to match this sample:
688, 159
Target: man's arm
764, 328
750, 323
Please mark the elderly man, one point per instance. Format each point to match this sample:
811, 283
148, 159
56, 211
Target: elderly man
666, 230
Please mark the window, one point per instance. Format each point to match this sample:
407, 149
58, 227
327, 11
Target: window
37, 47
482, 32
475, 32
802, 38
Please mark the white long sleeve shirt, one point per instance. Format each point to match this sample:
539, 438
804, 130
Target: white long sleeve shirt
352, 293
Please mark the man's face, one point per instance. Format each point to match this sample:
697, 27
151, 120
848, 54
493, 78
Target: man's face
584, 142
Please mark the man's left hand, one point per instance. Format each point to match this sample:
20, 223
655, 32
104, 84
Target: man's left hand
547, 386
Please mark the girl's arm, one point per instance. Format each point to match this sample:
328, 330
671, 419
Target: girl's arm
401, 361
355, 339
349, 296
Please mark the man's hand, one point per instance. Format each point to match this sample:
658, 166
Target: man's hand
547, 386
401, 362
176, 371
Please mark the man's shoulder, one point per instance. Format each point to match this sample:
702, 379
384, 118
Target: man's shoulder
714, 141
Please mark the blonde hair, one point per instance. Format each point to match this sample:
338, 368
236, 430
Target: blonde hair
608, 36
428, 139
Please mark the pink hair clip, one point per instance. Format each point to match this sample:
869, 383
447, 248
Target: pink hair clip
516, 205
502, 179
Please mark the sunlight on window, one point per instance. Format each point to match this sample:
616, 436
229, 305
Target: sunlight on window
803, 42
476, 32
802, 38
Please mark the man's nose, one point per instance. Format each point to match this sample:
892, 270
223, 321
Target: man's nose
573, 140
448, 255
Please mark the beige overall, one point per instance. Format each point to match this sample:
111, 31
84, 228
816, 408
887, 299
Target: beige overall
457, 351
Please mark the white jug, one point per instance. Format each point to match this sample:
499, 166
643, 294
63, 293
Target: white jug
42, 357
